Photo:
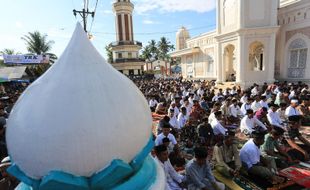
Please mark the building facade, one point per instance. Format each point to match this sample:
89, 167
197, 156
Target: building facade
125, 49
256, 41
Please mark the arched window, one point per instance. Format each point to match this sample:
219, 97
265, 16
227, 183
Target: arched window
256, 56
210, 64
298, 51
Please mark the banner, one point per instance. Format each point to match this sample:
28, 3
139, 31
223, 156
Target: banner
25, 59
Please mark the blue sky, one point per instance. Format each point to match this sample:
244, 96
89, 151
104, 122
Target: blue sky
152, 20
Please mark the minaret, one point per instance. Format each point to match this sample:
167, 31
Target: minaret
125, 49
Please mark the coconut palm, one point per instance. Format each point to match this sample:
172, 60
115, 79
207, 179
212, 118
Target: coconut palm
7, 51
164, 46
37, 43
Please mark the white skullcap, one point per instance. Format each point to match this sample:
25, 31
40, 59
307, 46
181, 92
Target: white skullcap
294, 101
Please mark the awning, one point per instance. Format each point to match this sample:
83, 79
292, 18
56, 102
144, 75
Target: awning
11, 73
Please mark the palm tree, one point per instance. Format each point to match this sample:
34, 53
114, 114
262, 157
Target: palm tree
164, 47
37, 43
153, 49
7, 51
146, 53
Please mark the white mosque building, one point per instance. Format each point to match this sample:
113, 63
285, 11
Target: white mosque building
256, 40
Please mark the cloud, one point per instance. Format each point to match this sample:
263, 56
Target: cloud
58, 33
200, 6
147, 21
107, 12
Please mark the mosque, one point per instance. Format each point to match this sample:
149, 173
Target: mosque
256, 41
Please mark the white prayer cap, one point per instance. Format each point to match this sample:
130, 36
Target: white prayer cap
294, 101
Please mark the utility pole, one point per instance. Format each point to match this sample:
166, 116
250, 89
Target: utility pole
84, 14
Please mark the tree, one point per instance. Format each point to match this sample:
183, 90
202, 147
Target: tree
7, 51
146, 53
164, 47
109, 53
37, 43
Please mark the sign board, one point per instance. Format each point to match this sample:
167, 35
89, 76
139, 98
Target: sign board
25, 59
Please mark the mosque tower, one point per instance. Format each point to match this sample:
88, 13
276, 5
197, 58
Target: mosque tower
125, 50
181, 37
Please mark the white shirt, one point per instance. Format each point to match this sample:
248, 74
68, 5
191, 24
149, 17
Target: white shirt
248, 125
245, 107
243, 99
274, 118
256, 106
218, 127
188, 108
216, 98
182, 119
250, 153
264, 104
153, 103
289, 111
171, 175
176, 110
234, 110
161, 136
174, 122
254, 91
211, 117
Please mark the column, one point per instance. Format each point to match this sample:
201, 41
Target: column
219, 69
271, 57
241, 60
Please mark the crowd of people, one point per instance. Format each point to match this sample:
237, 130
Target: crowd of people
201, 129
9, 93
254, 132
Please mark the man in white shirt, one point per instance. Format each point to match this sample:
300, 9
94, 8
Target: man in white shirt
173, 120
250, 156
249, 123
256, 105
182, 117
273, 116
165, 133
246, 106
153, 103
263, 102
175, 108
188, 106
292, 109
174, 180
217, 127
234, 111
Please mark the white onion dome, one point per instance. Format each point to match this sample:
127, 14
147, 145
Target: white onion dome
77, 117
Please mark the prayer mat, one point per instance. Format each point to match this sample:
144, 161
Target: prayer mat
228, 182
300, 175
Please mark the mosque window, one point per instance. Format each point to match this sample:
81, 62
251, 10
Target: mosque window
298, 53
129, 55
120, 55
256, 56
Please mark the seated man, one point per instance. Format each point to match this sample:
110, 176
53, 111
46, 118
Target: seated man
165, 133
271, 144
174, 181
217, 127
297, 151
161, 108
226, 156
234, 112
257, 166
304, 110
199, 174
249, 123
274, 117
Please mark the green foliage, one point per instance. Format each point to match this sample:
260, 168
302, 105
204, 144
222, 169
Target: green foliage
157, 50
37, 43
7, 51
109, 53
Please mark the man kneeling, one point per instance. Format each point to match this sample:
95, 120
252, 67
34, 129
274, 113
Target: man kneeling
198, 173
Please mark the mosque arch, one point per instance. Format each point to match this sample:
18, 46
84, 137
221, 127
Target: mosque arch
297, 55
256, 56
229, 61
